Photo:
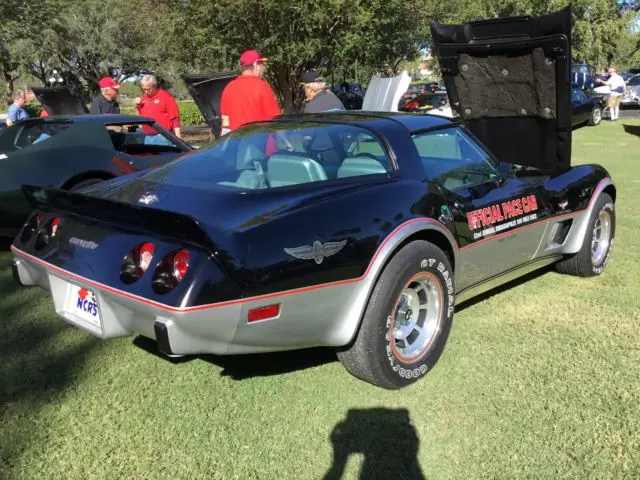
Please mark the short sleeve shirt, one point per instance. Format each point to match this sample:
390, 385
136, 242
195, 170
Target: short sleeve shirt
162, 107
101, 105
617, 84
248, 99
16, 113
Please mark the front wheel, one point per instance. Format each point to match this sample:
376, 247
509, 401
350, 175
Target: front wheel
594, 255
407, 320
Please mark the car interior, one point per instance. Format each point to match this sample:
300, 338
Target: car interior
140, 140
263, 158
294, 159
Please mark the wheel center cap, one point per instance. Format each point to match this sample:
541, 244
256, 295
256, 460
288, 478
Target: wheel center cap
408, 314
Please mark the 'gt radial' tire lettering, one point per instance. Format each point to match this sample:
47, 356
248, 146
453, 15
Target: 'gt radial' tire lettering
407, 320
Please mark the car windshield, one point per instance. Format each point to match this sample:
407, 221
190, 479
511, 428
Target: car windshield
453, 159
272, 155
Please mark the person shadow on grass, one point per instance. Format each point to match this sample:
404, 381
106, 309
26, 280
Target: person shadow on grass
387, 440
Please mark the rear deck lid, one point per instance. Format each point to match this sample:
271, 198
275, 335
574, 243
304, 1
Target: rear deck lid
509, 80
60, 100
206, 90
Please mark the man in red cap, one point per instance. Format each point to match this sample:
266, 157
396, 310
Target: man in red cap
248, 98
105, 101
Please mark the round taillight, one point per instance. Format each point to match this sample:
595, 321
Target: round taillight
145, 255
53, 227
46, 233
180, 264
171, 270
30, 227
136, 262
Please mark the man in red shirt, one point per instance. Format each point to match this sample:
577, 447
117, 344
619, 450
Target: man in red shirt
248, 98
158, 104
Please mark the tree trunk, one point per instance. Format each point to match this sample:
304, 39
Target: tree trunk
8, 86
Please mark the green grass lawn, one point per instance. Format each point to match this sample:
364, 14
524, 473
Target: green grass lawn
540, 380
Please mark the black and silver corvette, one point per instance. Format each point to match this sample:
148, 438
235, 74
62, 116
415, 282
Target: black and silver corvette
358, 231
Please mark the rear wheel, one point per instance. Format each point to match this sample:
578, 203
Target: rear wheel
594, 255
407, 320
596, 116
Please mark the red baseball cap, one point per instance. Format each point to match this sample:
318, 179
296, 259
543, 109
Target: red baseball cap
106, 82
249, 57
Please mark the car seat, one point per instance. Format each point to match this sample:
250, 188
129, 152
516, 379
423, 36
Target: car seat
360, 165
119, 140
293, 169
249, 162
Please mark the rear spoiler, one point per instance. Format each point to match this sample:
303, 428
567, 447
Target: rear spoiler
174, 226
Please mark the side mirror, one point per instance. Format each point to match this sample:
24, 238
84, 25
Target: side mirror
504, 169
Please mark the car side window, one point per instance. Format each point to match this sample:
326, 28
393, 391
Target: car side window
140, 139
33, 133
634, 81
577, 95
453, 159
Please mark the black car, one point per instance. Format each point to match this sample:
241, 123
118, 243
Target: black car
355, 230
74, 151
587, 109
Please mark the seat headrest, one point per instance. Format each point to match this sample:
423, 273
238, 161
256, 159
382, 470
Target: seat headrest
293, 169
354, 166
248, 154
118, 139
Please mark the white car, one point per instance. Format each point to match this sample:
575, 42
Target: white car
632, 93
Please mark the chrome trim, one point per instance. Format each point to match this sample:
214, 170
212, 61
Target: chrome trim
577, 232
601, 238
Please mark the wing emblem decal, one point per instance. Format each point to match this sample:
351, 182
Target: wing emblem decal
318, 251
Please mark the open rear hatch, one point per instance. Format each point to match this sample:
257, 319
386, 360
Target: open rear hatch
60, 100
509, 80
206, 90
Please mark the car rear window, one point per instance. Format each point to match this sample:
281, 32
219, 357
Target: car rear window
273, 155
32, 133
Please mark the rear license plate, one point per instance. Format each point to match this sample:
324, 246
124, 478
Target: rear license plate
82, 304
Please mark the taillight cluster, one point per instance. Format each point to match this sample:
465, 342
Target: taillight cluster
169, 271
136, 262
172, 269
44, 231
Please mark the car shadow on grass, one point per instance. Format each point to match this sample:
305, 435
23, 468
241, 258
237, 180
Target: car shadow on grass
38, 365
241, 367
387, 440
505, 287
632, 129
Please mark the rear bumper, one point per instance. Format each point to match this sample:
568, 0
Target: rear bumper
177, 332
305, 320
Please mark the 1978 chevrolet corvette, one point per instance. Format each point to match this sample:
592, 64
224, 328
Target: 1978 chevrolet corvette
353, 230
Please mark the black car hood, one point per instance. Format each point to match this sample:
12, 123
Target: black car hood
206, 90
60, 100
509, 80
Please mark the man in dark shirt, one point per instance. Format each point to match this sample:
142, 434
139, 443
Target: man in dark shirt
319, 97
105, 101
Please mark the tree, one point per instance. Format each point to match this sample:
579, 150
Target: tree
20, 22
322, 34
